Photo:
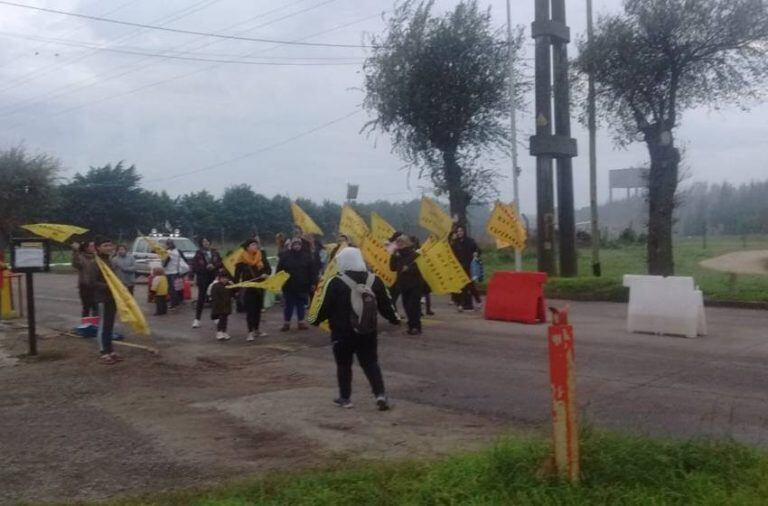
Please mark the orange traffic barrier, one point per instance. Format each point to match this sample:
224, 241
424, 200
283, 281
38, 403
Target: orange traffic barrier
565, 434
516, 297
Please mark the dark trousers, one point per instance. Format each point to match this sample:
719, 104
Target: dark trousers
222, 325
173, 294
366, 349
88, 301
297, 302
428, 302
474, 292
394, 294
253, 300
130, 289
161, 304
107, 311
412, 305
202, 294
463, 299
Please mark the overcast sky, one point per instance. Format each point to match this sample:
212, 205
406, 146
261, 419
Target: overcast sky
233, 123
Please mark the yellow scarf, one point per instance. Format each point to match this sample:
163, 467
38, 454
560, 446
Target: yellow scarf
252, 259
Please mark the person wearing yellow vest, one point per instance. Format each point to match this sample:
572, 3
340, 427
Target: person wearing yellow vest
159, 289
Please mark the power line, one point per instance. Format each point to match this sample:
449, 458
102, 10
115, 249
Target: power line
258, 151
185, 75
183, 58
72, 88
185, 32
169, 18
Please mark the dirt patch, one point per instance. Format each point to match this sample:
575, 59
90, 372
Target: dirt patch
739, 262
73, 429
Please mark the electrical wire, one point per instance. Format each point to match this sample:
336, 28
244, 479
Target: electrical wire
183, 58
185, 75
80, 85
258, 151
44, 71
185, 32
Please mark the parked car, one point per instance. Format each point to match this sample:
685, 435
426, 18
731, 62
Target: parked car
146, 259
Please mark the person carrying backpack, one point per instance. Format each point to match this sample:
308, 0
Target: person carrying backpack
351, 302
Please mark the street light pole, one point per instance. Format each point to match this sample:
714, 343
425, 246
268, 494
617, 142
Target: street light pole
513, 127
595, 229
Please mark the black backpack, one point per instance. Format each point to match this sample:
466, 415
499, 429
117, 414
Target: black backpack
363, 317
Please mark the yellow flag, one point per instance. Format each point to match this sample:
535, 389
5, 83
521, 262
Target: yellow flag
380, 229
273, 283
441, 270
127, 308
303, 221
314, 307
353, 225
231, 260
54, 231
505, 226
156, 248
426, 245
377, 257
433, 218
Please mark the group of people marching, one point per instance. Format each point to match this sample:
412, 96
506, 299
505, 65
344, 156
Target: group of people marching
349, 301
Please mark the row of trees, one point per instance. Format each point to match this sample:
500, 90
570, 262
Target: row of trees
110, 200
725, 209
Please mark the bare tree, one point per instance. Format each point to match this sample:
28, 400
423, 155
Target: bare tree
660, 57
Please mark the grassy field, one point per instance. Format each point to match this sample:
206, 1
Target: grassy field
616, 470
630, 259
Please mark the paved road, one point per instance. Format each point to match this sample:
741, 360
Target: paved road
717, 385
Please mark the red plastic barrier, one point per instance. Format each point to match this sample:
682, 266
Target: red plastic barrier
516, 297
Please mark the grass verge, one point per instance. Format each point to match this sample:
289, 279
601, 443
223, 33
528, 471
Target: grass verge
616, 470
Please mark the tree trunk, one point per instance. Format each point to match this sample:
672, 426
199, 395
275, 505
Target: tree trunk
662, 186
457, 196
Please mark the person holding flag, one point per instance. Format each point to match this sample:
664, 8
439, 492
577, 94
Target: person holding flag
252, 265
105, 300
410, 283
464, 248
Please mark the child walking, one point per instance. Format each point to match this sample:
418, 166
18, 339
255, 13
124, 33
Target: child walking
221, 303
159, 290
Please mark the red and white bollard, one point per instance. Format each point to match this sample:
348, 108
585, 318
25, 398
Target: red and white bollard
563, 383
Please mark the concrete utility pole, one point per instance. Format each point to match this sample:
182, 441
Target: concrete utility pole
591, 112
552, 32
513, 128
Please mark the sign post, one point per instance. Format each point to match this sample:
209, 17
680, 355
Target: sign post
30, 256
565, 432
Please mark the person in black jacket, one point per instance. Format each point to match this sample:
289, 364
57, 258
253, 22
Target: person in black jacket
409, 282
253, 266
297, 262
336, 308
464, 248
206, 263
106, 302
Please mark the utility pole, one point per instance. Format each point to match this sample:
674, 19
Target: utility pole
545, 146
565, 206
591, 112
545, 201
513, 128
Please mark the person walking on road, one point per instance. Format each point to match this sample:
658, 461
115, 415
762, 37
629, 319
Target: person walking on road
83, 260
298, 263
253, 266
124, 266
205, 265
410, 283
173, 270
464, 248
158, 289
350, 303
221, 303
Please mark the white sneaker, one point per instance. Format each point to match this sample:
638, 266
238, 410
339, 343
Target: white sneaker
251, 336
261, 334
195, 324
221, 336
226, 337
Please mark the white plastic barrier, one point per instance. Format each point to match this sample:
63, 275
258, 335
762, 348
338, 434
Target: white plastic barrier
665, 305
